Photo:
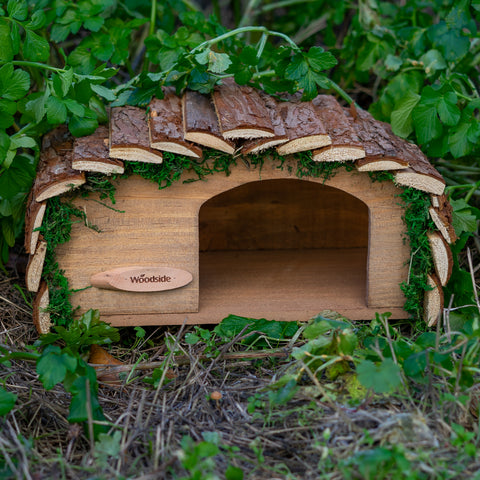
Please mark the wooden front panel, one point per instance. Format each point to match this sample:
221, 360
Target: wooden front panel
153, 230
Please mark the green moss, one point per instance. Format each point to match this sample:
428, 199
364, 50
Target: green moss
418, 223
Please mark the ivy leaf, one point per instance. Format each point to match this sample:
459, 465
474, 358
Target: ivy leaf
17, 9
35, 47
402, 122
7, 401
382, 378
56, 111
53, 365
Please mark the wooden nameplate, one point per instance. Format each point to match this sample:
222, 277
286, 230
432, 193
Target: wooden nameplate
142, 279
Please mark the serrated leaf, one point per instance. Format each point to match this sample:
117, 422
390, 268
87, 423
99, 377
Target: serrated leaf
433, 60
402, 122
382, 378
426, 121
52, 366
7, 401
104, 92
81, 126
56, 111
23, 142
37, 20
463, 220
37, 108
248, 56
320, 60
6, 52
94, 24
74, 107
15, 36
66, 79
17, 9
393, 63
218, 62
458, 140
447, 109
202, 58
8, 231
297, 68
59, 33
17, 85
35, 47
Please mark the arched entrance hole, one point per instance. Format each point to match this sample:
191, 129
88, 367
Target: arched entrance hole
283, 249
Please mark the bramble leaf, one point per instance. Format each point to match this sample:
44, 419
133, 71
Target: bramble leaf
7, 401
447, 109
463, 220
320, 60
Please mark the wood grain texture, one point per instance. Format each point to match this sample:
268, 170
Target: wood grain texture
33, 274
55, 174
201, 123
41, 317
279, 133
162, 227
346, 144
441, 213
442, 257
304, 127
433, 301
166, 126
129, 136
33, 220
241, 112
91, 154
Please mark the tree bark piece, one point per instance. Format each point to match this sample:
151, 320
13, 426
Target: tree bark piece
442, 257
91, 154
280, 135
304, 127
346, 144
166, 126
129, 137
55, 173
422, 176
441, 213
41, 318
382, 148
200, 122
33, 220
33, 274
241, 112
433, 301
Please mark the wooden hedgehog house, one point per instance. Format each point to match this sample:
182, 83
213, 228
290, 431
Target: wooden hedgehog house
258, 242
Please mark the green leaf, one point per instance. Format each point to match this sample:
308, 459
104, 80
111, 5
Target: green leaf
320, 60
81, 126
426, 121
463, 220
17, 9
52, 366
23, 142
248, 56
104, 92
191, 338
7, 401
74, 107
458, 140
218, 62
6, 52
66, 79
56, 111
382, 378
8, 231
37, 108
37, 20
433, 61
393, 63
402, 122
297, 68
94, 24
35, 47
447, 109
18, 85
233, 473
202, 58
15, 36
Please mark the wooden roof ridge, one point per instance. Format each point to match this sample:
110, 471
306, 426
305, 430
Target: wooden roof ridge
129, 136
166, 125
346, 144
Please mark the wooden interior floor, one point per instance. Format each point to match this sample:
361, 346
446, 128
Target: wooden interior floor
285, 285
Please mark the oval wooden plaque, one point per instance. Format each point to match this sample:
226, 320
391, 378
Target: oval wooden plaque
142, 279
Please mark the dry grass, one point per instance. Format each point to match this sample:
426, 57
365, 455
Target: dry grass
310, 437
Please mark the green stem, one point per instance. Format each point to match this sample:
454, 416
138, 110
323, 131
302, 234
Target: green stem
341, 92
239, 31
246, 18
153, 17
28, 357
261, 45
25, 63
